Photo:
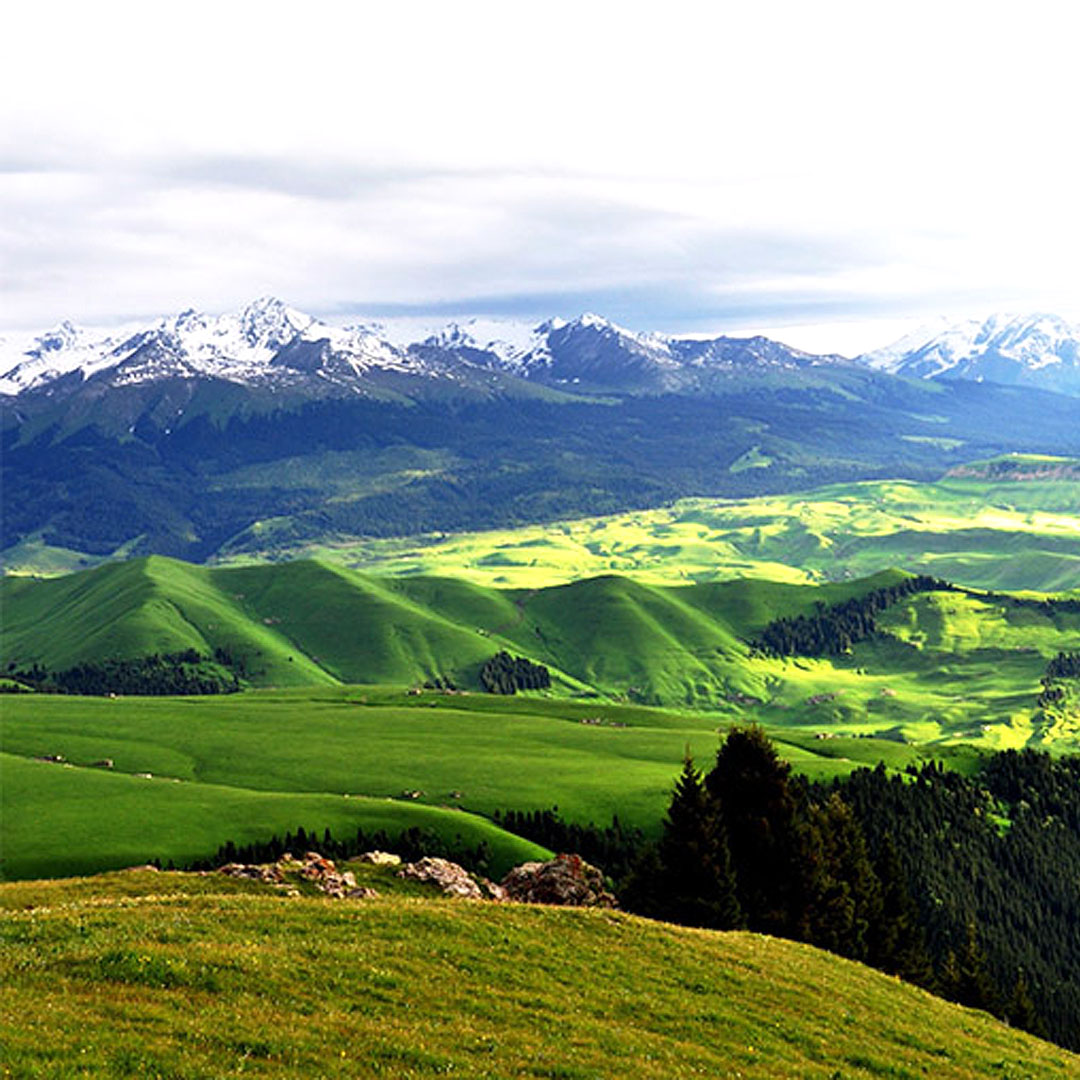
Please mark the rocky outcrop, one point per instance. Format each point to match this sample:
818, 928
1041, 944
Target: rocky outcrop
451, 879
313, 869
566, 879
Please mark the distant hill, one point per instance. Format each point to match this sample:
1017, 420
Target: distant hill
304, 623
935, 664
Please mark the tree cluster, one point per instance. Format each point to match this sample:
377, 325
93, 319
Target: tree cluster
506, 674
832, 631
411, 844
615, 847
159, 674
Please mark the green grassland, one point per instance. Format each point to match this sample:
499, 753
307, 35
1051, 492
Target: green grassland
244, 766
641, 673
190, 977
1012, 523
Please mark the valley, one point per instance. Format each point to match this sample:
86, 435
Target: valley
1007, 523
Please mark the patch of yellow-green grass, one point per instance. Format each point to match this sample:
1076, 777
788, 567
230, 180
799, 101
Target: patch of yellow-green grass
977, 530
166, 976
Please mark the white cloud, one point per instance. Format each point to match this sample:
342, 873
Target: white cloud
772, 164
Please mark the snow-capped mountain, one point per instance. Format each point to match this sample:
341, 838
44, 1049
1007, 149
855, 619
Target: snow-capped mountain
593, 352
1031, 350
266, 342
270, 345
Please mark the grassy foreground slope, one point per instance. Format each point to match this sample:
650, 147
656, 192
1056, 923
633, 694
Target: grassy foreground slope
164, 975
1010, 523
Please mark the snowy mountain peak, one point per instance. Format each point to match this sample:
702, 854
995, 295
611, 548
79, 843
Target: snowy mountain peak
63, 336
270, 323
1034, 350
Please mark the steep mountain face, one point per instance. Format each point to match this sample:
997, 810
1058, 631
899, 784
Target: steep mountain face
1032, 350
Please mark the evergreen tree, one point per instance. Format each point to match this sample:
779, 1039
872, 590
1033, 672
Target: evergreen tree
751, 787
964, 977
694, 858
1020, 1009
842, 893
897, 942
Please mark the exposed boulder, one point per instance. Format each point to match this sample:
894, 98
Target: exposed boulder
451, 879
566, 879
380, 858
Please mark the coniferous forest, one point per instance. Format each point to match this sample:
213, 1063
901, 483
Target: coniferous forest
968, 886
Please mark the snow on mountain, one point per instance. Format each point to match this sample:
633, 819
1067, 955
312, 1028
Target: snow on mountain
504, 342
33, 361
1034, 350
266, 341
270, 343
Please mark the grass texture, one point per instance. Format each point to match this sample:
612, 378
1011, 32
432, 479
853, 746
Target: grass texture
162, 975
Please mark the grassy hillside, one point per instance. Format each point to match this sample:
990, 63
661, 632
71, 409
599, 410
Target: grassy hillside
1003, 524
949, 665
152, 974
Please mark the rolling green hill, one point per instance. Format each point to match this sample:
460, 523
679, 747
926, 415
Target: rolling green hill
144, 974
308, 622
946, 664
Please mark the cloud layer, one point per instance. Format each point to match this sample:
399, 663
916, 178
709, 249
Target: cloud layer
793, 164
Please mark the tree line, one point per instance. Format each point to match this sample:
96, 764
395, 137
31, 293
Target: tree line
159, 674
411, 844
963, 885
833, 630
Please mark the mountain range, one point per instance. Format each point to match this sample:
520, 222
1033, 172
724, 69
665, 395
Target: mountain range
263, 429
268, 344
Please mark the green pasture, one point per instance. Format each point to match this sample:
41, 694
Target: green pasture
173, 975
948, 666
984, 530
62, 821
245, 766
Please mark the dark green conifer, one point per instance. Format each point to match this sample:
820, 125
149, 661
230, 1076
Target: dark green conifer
897, 941
694, 858
751, 787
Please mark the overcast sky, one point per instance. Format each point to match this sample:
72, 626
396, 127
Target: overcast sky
824, 171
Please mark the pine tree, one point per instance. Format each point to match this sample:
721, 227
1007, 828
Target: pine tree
699, 885
751, 787
842, 894
964, 977
897, 941
1020, 1009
